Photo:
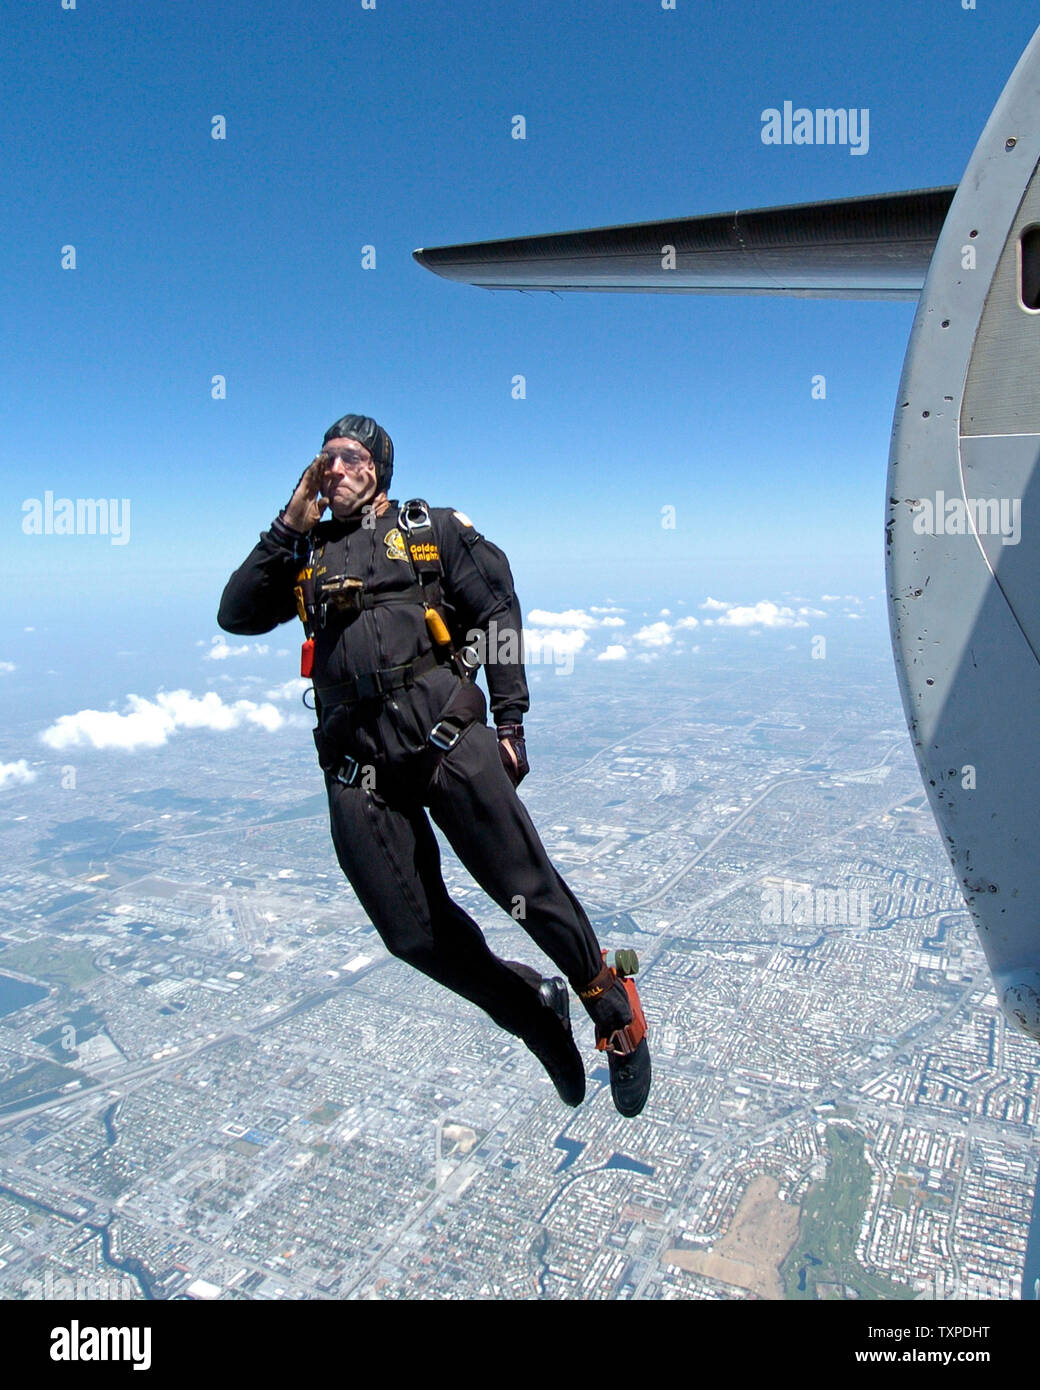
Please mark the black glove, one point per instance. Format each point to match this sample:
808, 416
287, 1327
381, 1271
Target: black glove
512, 736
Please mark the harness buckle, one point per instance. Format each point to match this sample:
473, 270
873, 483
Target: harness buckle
413, 515
467, 660
444, 735
347, 772
623, 1041
343, 593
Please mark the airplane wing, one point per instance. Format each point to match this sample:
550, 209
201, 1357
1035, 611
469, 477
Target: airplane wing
877, 247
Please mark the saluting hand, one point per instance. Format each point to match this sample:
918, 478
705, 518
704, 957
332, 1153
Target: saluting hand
307, 504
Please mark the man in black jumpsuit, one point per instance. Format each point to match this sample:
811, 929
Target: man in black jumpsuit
402, 727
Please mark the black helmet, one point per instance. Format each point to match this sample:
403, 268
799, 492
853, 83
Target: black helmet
375, 439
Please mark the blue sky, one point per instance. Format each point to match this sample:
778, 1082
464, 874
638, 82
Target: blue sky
391, 127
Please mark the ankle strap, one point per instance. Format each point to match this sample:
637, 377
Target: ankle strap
599, 984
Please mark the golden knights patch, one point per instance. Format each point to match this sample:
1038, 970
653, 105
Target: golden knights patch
424, 552
395, 545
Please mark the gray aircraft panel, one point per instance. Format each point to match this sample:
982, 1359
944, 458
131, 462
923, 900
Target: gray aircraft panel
875, 247
997, 472
963, 577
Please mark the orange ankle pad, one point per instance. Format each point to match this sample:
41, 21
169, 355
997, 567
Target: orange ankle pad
627, 1039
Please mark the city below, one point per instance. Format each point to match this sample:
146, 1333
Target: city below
216, 1083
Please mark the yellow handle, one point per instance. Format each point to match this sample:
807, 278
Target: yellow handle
438, 628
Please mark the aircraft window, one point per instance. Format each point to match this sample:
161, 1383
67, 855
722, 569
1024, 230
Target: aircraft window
1029, 268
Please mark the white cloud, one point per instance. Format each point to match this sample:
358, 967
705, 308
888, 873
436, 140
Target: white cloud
288, 690
220, 649
16, 772
594, 609
654, 635
688, 622
612, 622
149, 723
665, 613
6, 667
811, 613
756, 615
573, 617
545, 643
614, 652
762, 614
857, 616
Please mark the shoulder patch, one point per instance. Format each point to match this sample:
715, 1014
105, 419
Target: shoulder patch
395, 545
463, 518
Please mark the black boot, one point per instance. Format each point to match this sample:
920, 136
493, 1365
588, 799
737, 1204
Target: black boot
612, 1001
549, 1035
630, 1078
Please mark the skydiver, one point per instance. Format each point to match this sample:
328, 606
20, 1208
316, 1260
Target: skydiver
386, 594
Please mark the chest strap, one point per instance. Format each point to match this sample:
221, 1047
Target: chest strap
373, 685
343, 598
409, 595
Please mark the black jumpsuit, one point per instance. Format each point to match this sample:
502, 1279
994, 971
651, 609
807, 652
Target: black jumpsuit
380, 830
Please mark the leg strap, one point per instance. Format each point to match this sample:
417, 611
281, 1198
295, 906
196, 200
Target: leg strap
626, 1039
600, 984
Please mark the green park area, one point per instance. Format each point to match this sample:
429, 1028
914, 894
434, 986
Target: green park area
325, 1113
823, 1263
51, 960
36, 1083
